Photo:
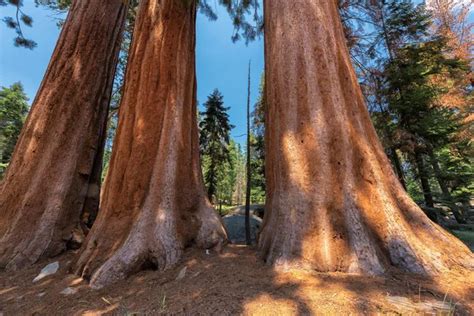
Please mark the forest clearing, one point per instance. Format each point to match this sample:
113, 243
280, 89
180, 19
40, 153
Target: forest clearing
319, 160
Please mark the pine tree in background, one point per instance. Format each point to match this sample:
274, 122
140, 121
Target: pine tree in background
13, 111
423, 124
20, 19
380, 35
258, 146
214, 140
374, 31
239, 166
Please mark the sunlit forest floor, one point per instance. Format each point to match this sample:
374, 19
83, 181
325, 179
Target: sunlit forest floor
234, 282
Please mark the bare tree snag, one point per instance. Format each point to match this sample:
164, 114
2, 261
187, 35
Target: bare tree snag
154, 202
333, 203
51, 174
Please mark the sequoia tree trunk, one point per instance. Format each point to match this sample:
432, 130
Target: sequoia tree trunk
51, 174
154, 203
334, 202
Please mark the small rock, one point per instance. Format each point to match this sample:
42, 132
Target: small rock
39, 295
69, 291
207, 251
181, 274
51, 268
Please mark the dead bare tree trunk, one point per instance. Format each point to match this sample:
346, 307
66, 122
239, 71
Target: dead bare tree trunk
52, 172
154, 201
334, 202
248, 188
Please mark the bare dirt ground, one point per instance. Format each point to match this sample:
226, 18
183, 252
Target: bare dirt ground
234, 282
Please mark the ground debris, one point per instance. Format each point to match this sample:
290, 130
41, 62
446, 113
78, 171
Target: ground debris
234, 282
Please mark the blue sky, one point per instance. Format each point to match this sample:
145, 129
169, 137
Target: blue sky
220, 63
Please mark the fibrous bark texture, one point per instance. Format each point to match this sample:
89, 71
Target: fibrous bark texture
50, 177
333, 203
154, 202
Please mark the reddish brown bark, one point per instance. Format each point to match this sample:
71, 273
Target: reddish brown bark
333, 203
50, 175
154, 203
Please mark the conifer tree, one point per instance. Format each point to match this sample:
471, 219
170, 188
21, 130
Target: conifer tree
214, 140
258, 146
13, 111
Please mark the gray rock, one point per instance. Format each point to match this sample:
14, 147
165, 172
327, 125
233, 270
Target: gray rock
235, 225
181, 274
50, 269
69, 291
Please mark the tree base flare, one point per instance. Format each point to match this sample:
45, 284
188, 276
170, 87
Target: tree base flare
149, 245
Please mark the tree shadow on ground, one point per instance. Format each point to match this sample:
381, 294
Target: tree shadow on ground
233, 282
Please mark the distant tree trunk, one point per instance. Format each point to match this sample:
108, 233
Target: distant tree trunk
52, 173
398, 167
154, 200
211, 190
444, 189
249, 173
333, 200
424, 179
91, 204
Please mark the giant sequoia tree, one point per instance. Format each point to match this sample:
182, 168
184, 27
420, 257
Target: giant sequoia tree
52, 173
333, 201
154, 202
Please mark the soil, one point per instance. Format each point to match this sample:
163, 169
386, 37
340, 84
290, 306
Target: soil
233, 282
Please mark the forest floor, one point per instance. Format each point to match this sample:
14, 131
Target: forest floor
234, 282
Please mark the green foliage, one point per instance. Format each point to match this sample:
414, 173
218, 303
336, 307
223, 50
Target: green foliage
58, 5
406, 70
423, 122
239, 11
412, 93
13, 111
258, 147
457, 165
214, 141
16, 22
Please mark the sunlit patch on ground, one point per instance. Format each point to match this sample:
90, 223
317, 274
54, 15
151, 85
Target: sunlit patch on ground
234, 282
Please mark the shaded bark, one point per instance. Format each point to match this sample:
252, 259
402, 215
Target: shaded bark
91, 204
52, 172
333, 200
154, 203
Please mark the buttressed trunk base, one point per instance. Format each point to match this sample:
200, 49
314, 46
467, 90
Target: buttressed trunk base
51, 175
154, 202
333, 201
